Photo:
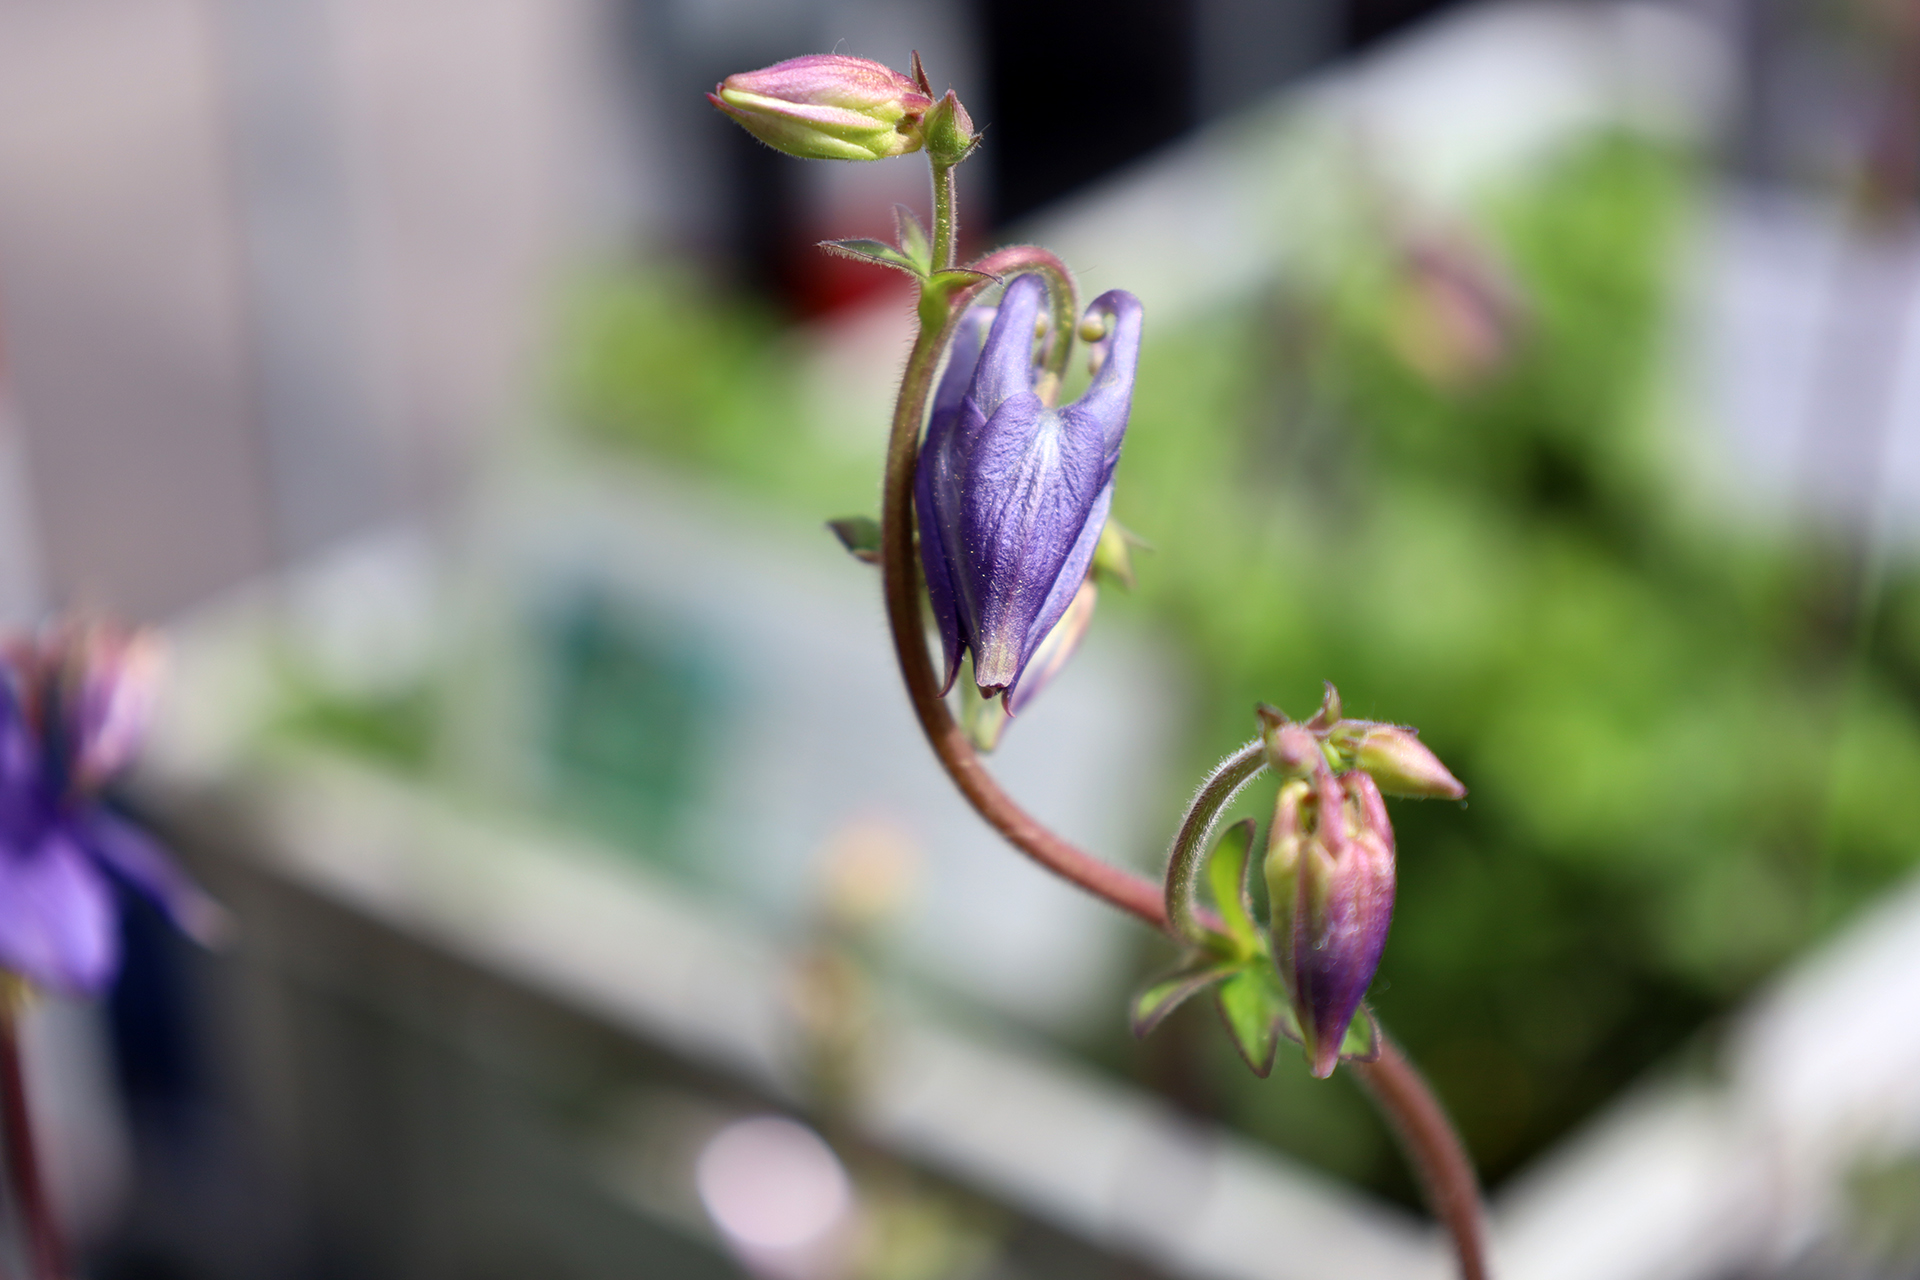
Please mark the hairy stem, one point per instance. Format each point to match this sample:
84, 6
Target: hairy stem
1434, 1150
46, 1250
946, 228
1196, 828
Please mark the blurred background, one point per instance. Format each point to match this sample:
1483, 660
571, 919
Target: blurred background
465, 396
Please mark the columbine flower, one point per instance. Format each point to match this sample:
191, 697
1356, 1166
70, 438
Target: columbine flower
1330, 880
1011, 494
828, 106
73, 706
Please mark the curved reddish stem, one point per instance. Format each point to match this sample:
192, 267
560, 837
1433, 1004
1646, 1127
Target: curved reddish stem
900, 570
1433, 1148
1416, 1115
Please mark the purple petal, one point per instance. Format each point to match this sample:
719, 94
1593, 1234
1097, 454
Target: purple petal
135, 858
1005, 368
1103, 409
934, 484
1109, 396
1029, 485
58, 926
1073, 572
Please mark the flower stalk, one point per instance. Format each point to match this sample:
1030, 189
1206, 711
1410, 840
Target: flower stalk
45, 1244
1432, 1145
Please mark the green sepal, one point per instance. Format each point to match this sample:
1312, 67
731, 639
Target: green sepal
1227, 877
860, 535
1113, 554
1362, 1041
936, 293
1164, 995
1253, 1008
878, 252
1360, 1044
984, 719
912, 239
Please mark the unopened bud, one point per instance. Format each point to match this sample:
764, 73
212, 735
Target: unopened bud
1394, 757
827, 106
948, 131
1292, 749
1330, 879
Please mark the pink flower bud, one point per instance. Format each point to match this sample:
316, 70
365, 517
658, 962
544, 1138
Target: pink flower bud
1402, 765
1293, 750
827, 106
1330, 876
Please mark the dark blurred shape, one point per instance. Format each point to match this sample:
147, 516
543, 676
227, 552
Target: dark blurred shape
1077, 93
1367, 21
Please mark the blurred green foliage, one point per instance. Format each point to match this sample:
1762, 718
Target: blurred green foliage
1441, 474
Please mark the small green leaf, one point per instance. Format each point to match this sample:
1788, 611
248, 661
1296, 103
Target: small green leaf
1227, 877
1251, 1005
956, 278
912, 238
860, 535
936, 294
875, 251
1152, 1006
1113, 554
1362, 1042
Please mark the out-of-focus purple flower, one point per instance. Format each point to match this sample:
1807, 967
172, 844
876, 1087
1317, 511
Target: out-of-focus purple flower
73, 706
828, 106
1011, 493
1330, 880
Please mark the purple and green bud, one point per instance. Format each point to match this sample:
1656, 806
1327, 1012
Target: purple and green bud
828, 106
1392, 754
1330, 880
1011, 493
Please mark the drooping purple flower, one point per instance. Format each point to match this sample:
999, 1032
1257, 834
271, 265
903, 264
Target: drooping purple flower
1330, 878
73, 706
1011, 493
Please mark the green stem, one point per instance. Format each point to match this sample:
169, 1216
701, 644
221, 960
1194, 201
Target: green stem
946, 229
1196, 828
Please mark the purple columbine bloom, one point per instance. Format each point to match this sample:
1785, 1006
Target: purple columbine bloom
73, 707
1011, 493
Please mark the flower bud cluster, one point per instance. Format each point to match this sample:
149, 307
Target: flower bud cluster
1330, 858
1391, 754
